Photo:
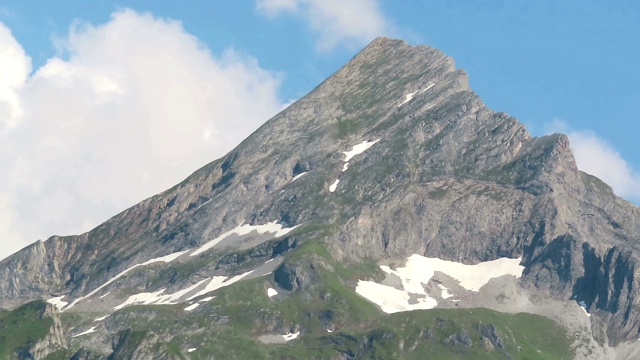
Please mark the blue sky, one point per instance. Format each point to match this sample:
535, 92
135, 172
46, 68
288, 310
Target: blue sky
78, 79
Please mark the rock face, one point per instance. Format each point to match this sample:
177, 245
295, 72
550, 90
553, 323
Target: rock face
54, 340
448, 178
31, 332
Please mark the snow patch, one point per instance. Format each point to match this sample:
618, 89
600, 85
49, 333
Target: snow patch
445, 292
271, 227
329, 331
419, 270
358, 149
298, 176
159, 298
271, 292
164, 259
57, 302
218, 282
92, 330
392, 300
290, 336
207, 299
583, 306
203, 204
105, 295
427, 88
173, 298
408, 98
101, 318
334, 186
191, 350
191, 307
470, 277
145, 298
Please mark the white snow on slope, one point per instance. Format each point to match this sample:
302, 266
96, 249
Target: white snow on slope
142, 299
218, 282
427, 88
191, 307
358, 149
57, 302
419, 270
271, 292
471, 277
299, 176
159, 298
164, 259
173, 298
207, 299
92, 330
392, 300
408, 98
290, 336
203, 204
192, 350
445, 292
334, 186
101, 318
271, 227
583, 306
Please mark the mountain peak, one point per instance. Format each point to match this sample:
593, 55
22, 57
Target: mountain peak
392, 157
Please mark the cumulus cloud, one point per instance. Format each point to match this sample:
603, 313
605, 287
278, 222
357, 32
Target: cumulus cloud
336, 22
15, 67
597, 157
131, 108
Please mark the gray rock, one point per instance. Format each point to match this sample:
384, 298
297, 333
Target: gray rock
461, 338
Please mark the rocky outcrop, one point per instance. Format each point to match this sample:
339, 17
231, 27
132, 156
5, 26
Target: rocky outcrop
131, 345
31, 332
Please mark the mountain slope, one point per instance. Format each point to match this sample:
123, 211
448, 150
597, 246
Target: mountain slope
430, 171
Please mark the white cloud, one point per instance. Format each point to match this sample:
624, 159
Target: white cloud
134, 108
337, 22
597, 157
15, 67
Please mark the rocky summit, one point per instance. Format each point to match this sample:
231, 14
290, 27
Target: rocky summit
388, 214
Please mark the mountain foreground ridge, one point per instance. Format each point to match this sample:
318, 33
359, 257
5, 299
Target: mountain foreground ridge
392, 157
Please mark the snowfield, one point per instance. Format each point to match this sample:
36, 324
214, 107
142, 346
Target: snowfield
419, 270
